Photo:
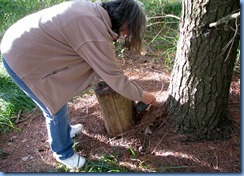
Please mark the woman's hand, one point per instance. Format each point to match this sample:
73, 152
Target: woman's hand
148, 98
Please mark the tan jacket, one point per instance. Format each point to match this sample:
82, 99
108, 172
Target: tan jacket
57, 52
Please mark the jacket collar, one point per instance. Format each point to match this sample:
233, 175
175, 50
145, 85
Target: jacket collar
106, 19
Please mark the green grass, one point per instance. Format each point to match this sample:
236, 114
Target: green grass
12, 100
12, 10
110, 162
162, 31
106, 163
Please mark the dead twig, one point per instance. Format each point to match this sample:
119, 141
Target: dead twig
18, 117
233, 39
225, 19
165, 16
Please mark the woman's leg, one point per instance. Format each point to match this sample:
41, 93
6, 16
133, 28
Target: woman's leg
58, 127
59, 133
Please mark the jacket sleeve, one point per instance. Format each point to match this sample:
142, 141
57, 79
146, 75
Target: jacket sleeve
100, 55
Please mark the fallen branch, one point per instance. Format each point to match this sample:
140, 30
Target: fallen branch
18, 117
225, 19
165, 16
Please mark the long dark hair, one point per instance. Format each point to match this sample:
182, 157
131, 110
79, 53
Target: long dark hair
131, 13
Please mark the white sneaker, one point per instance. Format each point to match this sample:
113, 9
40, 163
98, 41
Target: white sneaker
75, 130
73, 162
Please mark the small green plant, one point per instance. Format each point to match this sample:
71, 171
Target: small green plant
132, 152
107, 163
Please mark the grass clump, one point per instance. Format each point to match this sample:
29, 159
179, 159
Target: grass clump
106, 163
12, 100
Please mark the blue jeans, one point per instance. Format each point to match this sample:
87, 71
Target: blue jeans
58, 126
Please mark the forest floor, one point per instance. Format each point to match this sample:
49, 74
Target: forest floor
27, 150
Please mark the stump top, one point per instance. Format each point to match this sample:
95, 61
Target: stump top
102, 88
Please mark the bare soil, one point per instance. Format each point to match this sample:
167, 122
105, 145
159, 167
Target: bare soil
157, 147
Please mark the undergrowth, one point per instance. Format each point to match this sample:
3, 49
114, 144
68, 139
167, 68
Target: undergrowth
12, 100
162, 30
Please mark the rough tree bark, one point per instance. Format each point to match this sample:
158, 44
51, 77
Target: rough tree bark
201, 77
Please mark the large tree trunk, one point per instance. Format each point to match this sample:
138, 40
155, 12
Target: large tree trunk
201, 77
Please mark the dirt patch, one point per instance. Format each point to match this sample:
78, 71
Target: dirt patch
161, 149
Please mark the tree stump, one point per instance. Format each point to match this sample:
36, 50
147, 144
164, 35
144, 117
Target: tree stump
117, 111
